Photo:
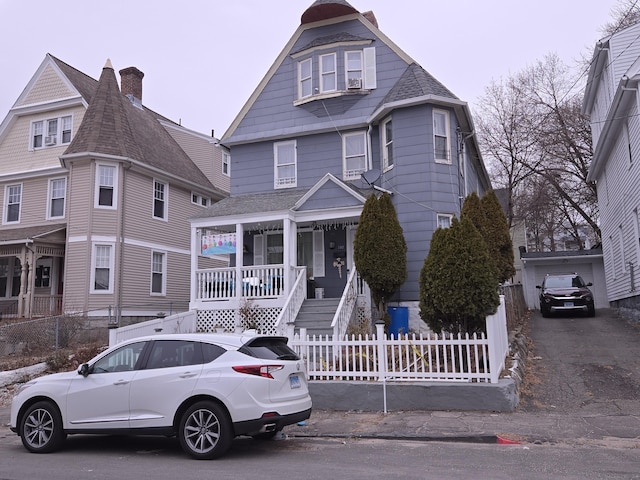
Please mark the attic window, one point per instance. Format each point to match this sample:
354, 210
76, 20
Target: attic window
336, 73
51, 132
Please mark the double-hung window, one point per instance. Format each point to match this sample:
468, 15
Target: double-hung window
51, 132
57, 195
158, 273
13, 202
102, 269
305, 82
354, 155
328, 76
160, 190
106, 181
354, 72
226, 163
387, 144
285, 164
441, 136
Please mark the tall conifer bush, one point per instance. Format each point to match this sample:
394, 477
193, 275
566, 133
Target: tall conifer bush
497, 235
380, 250
457, 290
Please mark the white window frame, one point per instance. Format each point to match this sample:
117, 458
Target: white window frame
98, 185
442, 219
387, 144
199, 200
164, 200
158, 269
55, 194
354, 174
10, 199
99, 263
306, 80
53, 132
352, 71
278, 164
226, 164
439, 134
330, 75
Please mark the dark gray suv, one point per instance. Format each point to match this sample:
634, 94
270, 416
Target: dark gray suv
566, 292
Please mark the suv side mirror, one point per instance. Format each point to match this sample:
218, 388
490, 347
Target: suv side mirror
84, 370
538, 286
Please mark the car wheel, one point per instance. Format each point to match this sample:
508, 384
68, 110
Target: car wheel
41, 428
544, 311
591, 311
205, 431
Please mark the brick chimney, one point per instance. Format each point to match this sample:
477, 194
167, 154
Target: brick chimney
371, 17
131, 82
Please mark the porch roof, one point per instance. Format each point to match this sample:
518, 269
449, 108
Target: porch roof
28, 234
277, 201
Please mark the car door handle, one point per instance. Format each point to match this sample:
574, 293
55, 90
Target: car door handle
121, 382
188, 374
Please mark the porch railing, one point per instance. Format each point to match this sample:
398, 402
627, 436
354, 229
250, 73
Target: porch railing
289, 312
46, 305
258, 281
345, 308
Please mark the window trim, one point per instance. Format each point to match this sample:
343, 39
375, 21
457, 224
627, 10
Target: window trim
163, 272
345, 173
98, 185
302, 80
5, 215
45, 132
387, 145
347, 70
447, 137
50, 199
290, 182
443, 216
94, 251
164, 200
200, 200
322, 74
226, 163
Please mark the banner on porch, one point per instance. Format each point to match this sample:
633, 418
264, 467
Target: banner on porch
219, 244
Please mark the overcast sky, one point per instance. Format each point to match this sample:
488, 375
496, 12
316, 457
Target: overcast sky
202, 59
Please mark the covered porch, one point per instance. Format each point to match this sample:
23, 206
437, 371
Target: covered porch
282, 247
32, 271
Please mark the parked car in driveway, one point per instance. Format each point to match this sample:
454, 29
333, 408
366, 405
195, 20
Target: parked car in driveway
566, 292
203, 388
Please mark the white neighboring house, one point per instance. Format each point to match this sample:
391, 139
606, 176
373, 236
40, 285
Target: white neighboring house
611, 102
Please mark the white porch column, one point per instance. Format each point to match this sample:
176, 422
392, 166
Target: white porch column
196, 245
290, 257
239, 259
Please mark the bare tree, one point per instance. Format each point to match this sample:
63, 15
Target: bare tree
623, 15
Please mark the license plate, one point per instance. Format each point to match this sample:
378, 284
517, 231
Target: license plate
568, 304
294, 381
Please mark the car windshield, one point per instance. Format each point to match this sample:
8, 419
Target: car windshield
563, 282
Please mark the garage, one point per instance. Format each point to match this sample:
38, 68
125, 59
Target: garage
588, 264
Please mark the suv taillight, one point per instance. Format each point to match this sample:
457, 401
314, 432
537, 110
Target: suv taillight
259, 370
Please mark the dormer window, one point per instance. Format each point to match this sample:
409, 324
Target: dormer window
305, 82
328, 74
51, 132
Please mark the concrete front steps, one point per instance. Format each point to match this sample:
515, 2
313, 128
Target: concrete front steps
316, 315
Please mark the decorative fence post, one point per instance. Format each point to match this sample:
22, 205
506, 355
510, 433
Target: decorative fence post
382, 351
497, 340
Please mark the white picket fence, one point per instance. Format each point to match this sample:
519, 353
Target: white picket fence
446, 357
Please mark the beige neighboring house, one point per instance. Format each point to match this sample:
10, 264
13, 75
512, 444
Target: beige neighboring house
96, 195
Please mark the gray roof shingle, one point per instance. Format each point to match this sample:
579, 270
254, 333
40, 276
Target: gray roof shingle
416, 82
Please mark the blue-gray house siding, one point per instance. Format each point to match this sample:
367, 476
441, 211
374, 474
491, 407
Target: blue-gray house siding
421, 187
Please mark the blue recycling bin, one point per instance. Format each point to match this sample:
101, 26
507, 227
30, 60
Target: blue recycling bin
399, 321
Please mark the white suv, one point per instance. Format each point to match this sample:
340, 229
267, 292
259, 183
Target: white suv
204, 388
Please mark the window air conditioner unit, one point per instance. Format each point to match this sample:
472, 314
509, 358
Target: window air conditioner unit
49, 141
354, 83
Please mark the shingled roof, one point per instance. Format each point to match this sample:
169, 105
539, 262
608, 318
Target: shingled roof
416, 82
112, 125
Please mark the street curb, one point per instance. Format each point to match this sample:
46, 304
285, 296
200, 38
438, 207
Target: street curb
485, 439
